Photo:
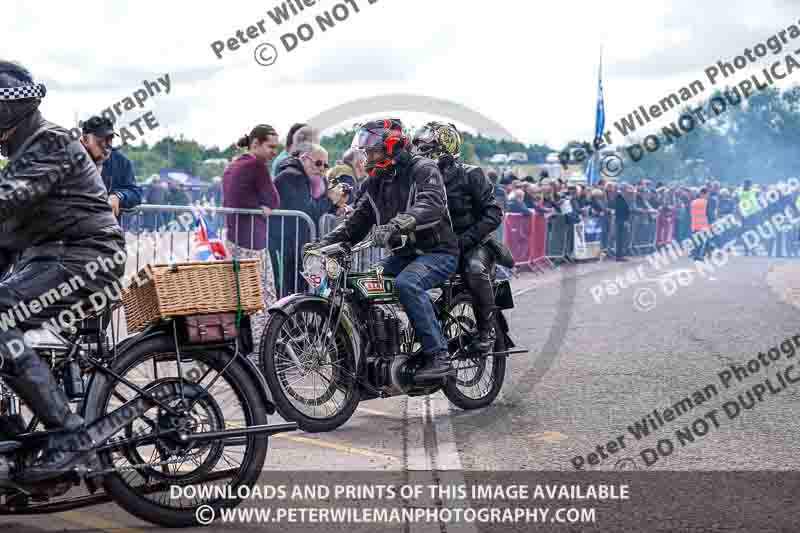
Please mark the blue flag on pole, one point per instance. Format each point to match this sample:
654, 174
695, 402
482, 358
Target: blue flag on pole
593, 170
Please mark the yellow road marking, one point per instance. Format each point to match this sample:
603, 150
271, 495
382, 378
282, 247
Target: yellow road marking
339, 447
85, 519
550, 436
377, 413
323, 444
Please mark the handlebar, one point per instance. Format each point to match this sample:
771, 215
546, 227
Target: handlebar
370, 243
339, 247
363, 245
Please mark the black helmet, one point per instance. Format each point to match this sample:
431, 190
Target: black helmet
19, 96
437, 140
386, 136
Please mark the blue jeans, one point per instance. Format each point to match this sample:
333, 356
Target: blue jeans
700, 251
414, 275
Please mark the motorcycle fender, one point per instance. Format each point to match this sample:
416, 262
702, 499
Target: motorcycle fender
249, 366
503, 297
261, 383
504, 326
288, 304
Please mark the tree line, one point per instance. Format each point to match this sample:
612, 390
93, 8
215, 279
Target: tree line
757, 139
189, 155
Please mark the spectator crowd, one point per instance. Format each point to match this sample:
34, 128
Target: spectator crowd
627, 213
626, 218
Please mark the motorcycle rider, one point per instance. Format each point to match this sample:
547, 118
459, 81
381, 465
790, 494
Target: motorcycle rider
55, 220
405, 194
475, 214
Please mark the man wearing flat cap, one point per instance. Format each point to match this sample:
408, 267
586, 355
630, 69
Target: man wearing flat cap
115, 168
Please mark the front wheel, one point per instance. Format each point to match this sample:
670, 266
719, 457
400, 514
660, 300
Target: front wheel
479, 379
310, 372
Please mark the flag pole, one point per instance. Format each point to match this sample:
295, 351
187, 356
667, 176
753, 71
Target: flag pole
599, 125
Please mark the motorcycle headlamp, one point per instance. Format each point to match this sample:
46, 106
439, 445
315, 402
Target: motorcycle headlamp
333, 268
313, 269
316, 267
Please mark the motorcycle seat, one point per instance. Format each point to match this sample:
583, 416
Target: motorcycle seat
43, 339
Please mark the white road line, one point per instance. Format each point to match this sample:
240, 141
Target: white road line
417, 456
448, 457
432, 414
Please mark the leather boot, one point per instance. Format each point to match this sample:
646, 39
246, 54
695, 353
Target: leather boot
437, 367
34, 383
31, 379
486, 333
479, 280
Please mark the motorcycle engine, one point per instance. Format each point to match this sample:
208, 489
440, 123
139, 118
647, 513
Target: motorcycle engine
390, 330
392, 338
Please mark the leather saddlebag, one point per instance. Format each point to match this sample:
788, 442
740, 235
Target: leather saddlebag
213, 328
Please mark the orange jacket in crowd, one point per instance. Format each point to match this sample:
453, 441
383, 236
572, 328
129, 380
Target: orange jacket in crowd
699, 214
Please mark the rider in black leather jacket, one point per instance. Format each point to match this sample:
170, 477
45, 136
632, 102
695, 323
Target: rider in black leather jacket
405, 195
475, 214
59, 234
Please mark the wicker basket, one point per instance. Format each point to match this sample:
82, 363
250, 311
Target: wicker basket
193, 288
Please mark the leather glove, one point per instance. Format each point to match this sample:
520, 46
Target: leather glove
401, 224
383, 234
308, 247
405, 223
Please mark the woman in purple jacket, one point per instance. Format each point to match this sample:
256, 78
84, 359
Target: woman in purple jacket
247, 184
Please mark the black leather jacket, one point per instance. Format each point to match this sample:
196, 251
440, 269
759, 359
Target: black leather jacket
472, 202
52, 200
416, 189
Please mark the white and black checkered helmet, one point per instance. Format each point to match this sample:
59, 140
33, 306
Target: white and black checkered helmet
20, 95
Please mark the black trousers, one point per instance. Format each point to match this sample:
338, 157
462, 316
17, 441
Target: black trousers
621, 238
478, 267
39, 289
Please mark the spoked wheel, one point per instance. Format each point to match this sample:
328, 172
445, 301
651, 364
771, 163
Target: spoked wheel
309, 371
479, 378
205, 415
203, 398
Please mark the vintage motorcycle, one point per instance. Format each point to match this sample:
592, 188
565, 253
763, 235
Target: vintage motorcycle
350, 340
160, 412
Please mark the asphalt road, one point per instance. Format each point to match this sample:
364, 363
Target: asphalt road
593, 370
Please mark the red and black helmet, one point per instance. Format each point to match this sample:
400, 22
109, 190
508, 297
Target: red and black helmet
385, 136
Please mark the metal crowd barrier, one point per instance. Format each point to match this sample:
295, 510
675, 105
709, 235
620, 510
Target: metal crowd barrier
611, 235
364, 259
525, 236
556, 240
159, 234
643, 233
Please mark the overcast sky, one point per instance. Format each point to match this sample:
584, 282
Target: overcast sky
528, 66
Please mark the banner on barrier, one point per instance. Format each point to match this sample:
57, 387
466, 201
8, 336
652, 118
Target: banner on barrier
556, 236
580, 241
587, 239
593, 230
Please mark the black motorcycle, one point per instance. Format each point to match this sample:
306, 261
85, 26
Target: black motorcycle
160, 413
350, 340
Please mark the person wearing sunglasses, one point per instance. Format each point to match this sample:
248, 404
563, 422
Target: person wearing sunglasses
297, 179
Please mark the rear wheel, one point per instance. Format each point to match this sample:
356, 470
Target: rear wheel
479, 378
308, 370
146, 471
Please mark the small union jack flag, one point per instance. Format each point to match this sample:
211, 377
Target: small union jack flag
208, 246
